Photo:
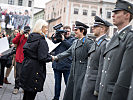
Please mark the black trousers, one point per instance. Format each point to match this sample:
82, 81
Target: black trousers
17, 79
28, 95
3, 64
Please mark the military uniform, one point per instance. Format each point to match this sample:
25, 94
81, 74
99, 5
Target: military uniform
92, 78
79, 52
117, 66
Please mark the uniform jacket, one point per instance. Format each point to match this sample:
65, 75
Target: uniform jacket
79, 52
89, 84
117, 67
20, 40
33, 71
64, 64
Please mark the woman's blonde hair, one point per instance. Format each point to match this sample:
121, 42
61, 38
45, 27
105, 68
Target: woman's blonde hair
38, 26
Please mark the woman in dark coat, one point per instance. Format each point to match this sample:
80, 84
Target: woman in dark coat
33, 71
79, 52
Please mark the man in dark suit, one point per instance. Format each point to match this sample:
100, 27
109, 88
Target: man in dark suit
90, 87
118, 55
62, 67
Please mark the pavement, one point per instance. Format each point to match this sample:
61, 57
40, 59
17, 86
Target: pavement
46, 94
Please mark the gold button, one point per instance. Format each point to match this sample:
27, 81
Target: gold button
104, 57
37, 73
80, 61
36, 80
35, 88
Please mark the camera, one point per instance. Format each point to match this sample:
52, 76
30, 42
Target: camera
26, 32
59, 32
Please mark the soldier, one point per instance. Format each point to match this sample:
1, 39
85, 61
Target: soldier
91, 80
79, 51
117, 66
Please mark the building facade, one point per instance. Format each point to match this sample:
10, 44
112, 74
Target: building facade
69, 11
26, 3
38, 15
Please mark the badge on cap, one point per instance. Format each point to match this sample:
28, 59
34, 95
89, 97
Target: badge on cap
129, 7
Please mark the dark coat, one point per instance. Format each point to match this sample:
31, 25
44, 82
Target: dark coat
89, 84
79, 51
64, 64
33, 71
117, 67
7, 18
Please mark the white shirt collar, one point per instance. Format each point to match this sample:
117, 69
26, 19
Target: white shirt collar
122, 29
99, 37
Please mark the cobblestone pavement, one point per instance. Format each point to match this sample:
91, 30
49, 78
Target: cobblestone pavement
46, 94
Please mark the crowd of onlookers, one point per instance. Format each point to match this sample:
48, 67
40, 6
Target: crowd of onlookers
14, 20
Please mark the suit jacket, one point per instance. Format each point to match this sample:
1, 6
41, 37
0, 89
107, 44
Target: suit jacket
79, 51
117, 67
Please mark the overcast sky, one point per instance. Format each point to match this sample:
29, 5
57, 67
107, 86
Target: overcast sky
40, 3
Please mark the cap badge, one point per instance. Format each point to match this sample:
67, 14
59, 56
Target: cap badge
129, 7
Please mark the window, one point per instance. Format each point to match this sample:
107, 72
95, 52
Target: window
76, 11
20, 2
93, 13
64, 9
85, 12
11, 2
91, 30
109, 14
30, 4
60, 11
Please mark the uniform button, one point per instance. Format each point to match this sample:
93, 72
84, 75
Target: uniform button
105, 71
89, 67
108, 58
104, 57
130, 87
36, 80
37, 73
102, 71
102, 85
35, 88
80, 61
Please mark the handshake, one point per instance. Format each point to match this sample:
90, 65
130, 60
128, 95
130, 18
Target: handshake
54, 58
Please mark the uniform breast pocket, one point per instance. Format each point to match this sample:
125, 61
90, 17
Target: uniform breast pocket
84, 65
110, 88
93, 75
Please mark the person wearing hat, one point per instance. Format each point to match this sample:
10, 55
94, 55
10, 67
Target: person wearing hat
20, 41
117, 65
79, 52
90, 87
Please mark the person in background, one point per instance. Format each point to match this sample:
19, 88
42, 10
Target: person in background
62, 67
90, 87
8, 70
36, 55
20, 41
79, 52
118, 56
